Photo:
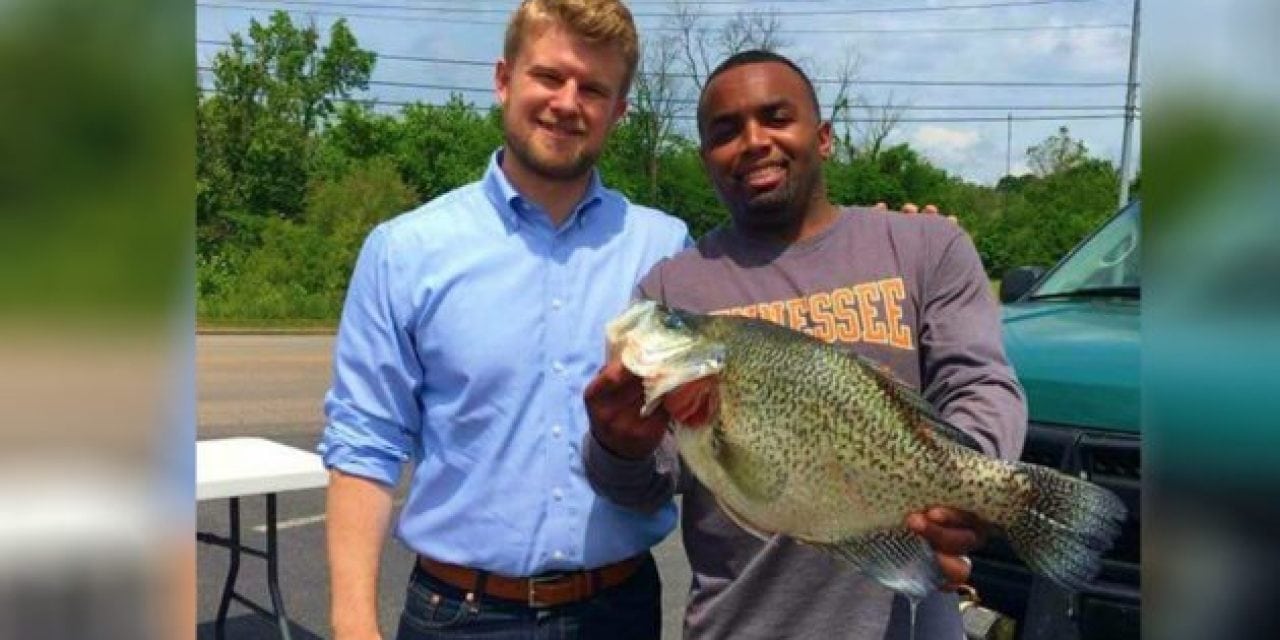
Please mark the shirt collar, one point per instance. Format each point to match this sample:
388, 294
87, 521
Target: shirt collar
513, 207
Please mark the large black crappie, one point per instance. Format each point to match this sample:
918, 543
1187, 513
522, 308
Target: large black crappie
811, 442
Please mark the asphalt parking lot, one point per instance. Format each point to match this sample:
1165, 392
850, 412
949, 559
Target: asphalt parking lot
271, 386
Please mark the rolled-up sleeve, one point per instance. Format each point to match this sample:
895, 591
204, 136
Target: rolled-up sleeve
372, 411
966, 375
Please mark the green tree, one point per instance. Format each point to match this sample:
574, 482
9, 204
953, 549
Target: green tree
354, 133
1051, 215
1056, 153
299, 269
685, 191
859, 180
255, 130
442, 147
657, 97
894, 175
347, 209
292, 174
1015, 184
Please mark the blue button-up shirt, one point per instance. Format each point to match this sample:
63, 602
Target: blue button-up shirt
471, 327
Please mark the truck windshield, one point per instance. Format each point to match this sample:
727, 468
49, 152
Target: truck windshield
1107, 264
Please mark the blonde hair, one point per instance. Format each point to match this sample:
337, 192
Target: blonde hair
599, 22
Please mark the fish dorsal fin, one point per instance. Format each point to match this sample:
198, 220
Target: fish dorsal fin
896, 558
913, 398
742, 523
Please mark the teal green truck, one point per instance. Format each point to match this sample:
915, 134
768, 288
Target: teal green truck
1072, 335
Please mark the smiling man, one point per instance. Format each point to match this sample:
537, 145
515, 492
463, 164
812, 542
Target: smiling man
470, 328
906, 291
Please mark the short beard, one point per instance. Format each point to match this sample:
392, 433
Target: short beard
781, 210
579, 166
769, 206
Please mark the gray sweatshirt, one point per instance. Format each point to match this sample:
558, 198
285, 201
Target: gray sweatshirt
906, 291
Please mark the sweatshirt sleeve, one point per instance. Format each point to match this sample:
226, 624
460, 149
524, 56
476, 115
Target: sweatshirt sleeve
644, 485
965, 373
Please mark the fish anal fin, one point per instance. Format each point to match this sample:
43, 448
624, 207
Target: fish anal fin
896, 558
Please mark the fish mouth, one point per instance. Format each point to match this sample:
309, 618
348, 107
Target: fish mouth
663, 353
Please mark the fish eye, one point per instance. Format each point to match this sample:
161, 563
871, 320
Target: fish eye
673, 322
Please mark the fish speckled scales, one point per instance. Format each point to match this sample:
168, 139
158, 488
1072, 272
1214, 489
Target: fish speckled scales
810, 442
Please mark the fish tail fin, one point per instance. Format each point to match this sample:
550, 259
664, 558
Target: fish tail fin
1066, 527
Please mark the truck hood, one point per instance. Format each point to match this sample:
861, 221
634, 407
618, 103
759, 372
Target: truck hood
1078, 360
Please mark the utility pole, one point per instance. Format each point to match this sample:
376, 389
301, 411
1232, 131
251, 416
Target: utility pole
1008, 164
1130, 97
1008, 147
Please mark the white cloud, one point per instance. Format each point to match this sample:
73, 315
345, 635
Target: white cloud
1104, 53
946, 145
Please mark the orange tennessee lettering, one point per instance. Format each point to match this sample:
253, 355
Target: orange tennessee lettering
873, 329
797, 316
847, 329
772, 311
824, 321
892, 291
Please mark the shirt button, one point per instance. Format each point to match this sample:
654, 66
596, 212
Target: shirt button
557, 366
557, 494
558, 555
555, 431
556, 303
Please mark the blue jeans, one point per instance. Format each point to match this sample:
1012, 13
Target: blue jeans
438, 610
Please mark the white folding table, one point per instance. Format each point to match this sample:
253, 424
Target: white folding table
232, 468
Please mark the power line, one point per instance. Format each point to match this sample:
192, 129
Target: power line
374, 101
817, 12
391, 56
946, 30
816, 81
664, 28
1005, 29
689, 101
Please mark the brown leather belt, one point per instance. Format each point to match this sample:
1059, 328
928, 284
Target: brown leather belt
546, 591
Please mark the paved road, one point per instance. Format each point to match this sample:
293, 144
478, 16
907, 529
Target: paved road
271, 386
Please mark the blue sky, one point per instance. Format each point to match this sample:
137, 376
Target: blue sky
895, 40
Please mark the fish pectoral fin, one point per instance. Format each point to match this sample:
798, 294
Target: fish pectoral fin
742, 522
896, 558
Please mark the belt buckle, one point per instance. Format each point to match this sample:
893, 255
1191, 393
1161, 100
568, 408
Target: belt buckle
533, 583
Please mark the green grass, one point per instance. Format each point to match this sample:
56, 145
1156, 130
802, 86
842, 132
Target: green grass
293, 325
